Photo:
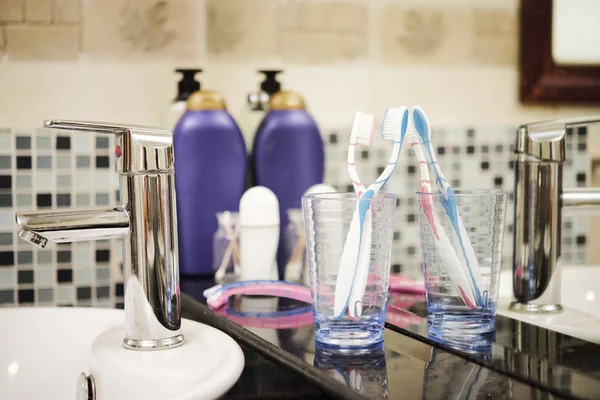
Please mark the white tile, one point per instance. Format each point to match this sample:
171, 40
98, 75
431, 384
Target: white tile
65, 294
44, 181
81, 143
83, 276
8, 278
5, 143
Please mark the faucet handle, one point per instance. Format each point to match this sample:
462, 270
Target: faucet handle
138, 148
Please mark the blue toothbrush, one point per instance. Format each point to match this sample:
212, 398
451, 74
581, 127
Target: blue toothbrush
448, 200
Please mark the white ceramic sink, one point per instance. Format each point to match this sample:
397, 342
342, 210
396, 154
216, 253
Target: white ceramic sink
44, 350
580, 286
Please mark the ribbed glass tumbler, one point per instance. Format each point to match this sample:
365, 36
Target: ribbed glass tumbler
461, 246
328, 216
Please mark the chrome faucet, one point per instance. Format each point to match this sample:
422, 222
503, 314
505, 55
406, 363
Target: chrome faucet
539, 202
146, 221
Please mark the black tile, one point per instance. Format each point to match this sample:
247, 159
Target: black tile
364, 154
7, 296
582, 131
396, 268
102, 292
498, 181
441, 150
398, 201
63, 256
470, 149
410, 218
580, 240
6, 200
411, 169
470, 132
7, 258
581, 146
396, 235
120, 306
102, 255
581, 177
380, 170
499, 148
63, 143
410, 250
23, 162
25, 277
26, 296
84, 293
64, 275
333, 138
119, 290
44, 200
63, 200
349, 188
485, 148
102, 162
485, 165
5, 182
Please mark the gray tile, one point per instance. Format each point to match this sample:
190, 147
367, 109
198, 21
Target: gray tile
7, 278
5, 200
63, 200
63, 162
45, 277
63, 256
83, 161
45, 257
102, 292
24, 181
25, 257
5, 142
23, 142
5, 162
102, 199
65, 294
24, 200
101, 142
44, 162
82, 199
7, 296
63, 181
103, 274
43, 142
45, 295
6, 238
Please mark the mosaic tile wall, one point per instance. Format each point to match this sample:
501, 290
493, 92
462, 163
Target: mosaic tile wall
48, 169
471, 159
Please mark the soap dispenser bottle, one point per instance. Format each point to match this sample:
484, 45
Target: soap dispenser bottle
185, 87
288, 156
210, 176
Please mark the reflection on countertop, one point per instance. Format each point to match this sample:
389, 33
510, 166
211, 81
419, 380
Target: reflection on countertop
523, 361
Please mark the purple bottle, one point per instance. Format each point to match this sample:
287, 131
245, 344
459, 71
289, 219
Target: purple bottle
210, 177
288, 157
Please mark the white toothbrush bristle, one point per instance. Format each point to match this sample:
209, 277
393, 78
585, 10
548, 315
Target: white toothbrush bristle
362, 129
392, 123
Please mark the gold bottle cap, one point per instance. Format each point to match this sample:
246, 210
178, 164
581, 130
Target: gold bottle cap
205, 100
286, 100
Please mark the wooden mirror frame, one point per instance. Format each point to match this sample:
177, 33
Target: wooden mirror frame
541, 79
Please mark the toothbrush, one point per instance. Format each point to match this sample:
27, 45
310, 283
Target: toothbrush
362, 133
393, 128
443, 245
423, 128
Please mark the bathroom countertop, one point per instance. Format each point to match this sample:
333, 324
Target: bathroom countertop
523, 361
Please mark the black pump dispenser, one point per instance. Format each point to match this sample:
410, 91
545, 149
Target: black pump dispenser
188, 83
270, 85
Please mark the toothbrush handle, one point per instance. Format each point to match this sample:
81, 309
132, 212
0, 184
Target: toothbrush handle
362, 274
347, 267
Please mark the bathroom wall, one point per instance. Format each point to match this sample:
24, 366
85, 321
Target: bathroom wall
113, 60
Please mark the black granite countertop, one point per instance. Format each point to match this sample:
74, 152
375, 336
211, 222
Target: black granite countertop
522, 362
